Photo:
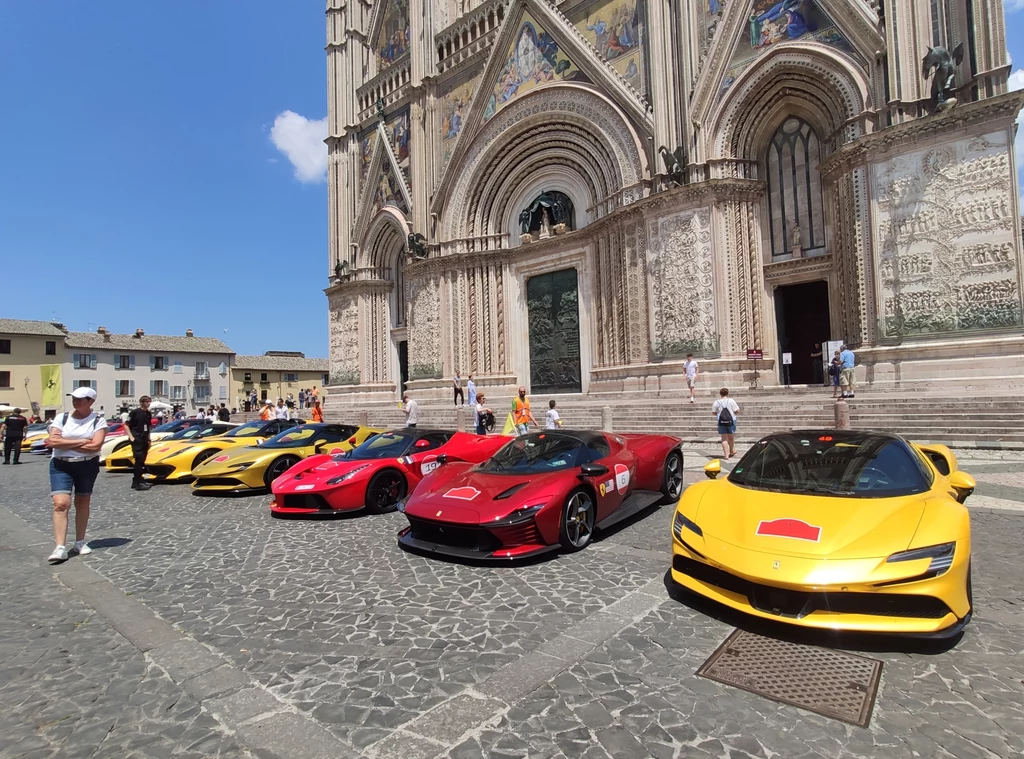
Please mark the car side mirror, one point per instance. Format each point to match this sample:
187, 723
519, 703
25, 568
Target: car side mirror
963, 484
593, 470
713, 468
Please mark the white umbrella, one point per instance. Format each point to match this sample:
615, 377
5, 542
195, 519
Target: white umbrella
160, 405
6, 409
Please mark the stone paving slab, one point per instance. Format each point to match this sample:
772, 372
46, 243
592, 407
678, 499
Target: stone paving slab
287, 638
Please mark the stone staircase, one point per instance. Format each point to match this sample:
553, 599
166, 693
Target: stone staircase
976, 420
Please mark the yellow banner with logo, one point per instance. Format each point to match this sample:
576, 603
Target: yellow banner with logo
51, 385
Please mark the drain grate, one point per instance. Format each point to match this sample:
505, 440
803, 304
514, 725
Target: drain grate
832, 683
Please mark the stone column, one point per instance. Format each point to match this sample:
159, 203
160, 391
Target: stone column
664, 92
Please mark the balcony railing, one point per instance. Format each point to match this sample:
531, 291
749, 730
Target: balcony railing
203, 376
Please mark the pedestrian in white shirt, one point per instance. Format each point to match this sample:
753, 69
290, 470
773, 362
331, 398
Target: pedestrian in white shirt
75, 438
690, 368
412, 411
725, 410
552, 421
281, 411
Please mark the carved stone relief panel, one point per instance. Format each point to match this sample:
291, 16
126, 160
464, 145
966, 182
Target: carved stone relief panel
635, 266
425, 328
682, 285
945, 234
344, 339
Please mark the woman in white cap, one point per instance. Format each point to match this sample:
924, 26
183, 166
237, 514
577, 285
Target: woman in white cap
76, 438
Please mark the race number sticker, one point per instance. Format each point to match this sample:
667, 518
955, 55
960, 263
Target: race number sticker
428, 465
621, 477
304, 487
464, 493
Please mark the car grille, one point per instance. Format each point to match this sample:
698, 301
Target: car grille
306, 501
457, 536
230, 482
160, 470
122, 463
798, 604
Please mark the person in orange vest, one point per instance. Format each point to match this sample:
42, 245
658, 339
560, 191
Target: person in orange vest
267, 412
522, 417
316, 414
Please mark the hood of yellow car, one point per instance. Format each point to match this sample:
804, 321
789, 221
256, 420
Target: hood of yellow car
251, 454
163, 450
809, 525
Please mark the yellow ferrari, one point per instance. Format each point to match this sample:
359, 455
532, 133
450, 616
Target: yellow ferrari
173, 461
841, 530
34, 432
123, 460
256, 467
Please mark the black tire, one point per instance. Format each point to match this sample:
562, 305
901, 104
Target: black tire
278, 467
579, 518
384, 491
119, 446
203, 456
672, 479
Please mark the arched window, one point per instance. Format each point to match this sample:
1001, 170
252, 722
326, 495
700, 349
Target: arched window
794, 189
558, 208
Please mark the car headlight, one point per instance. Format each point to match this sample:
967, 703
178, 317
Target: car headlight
524, 514
680, 522
242, 467
941, 556
183, 452
348, 475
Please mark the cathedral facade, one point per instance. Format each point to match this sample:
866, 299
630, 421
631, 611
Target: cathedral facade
575, 195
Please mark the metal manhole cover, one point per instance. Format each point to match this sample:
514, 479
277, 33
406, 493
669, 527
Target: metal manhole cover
832, 683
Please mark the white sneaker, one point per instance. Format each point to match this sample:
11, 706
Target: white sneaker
60, 553
82, 547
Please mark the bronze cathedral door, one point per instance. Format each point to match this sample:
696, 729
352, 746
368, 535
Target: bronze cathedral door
552, 301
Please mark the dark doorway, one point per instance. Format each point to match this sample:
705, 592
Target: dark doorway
403, 365
552, 301
801, 315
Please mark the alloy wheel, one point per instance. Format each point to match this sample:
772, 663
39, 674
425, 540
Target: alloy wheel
579, 513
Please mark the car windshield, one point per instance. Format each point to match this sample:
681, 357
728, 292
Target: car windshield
856, 465
296, 437
535, 454
386, 445
197, 431
168, 427
246, 430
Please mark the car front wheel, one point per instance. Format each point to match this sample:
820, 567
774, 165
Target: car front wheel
384, 491
277, 468
672, 482
579, 516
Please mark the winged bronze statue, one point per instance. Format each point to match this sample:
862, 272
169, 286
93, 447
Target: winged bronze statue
944, 65
418, 246
675, 163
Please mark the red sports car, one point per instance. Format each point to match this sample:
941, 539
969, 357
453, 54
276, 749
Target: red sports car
377, 474
540, 492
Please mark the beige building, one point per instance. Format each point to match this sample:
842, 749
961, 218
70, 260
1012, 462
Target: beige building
31, 354
185, 370
275, 374
574, 195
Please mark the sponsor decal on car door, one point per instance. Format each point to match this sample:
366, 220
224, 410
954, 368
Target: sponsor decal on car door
621, 478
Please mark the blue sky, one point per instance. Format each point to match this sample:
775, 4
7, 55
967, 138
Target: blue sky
163, 167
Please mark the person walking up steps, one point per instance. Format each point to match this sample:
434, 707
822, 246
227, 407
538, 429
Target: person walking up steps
522, 417
725, 410
412, 411
457, 387
552, 420
848, 361
690, 368
75, 438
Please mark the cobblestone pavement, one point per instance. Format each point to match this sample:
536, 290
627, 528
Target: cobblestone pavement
201, 627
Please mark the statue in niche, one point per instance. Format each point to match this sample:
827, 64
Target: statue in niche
944, 81
794, 236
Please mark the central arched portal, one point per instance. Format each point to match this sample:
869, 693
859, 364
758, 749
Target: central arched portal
385, 256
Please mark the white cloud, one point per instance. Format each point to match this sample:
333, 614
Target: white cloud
302, 142
1013, 5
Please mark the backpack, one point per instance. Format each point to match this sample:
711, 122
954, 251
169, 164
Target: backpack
725, 415
64, 420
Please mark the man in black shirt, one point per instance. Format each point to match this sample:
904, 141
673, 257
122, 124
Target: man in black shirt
223, 414
139, 423
14, 426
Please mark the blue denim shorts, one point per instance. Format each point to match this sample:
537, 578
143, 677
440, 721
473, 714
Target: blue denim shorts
727, 429
79, 476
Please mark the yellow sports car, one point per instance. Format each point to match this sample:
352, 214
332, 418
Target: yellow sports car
123, 460
34, 432
842, 530
173, 461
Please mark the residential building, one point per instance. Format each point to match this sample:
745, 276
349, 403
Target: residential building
31, 354
574, 195
187, 371
275, 374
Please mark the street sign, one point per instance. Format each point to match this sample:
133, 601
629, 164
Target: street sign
787, 358
755, 354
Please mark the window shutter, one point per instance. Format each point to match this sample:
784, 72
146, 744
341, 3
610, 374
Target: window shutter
152, 363
78, 364
92, 384
92, 361
131, 388
131, 362
167, 362
117, 388
177, 367
152, 387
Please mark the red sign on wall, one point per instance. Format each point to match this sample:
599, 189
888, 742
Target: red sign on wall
755, 354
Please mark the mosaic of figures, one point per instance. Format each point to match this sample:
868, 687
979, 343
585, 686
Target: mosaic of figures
710, 13
615, 28
946, 234
389, 191
775, 21
454, 109
393, 41
398, 133
533, 60
366, 146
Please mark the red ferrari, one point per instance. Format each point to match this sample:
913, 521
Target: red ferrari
541, 492
377, 474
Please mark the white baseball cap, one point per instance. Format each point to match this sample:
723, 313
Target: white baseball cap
83, 392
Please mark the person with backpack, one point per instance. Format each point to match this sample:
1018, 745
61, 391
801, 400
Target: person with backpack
725, 410
75, 439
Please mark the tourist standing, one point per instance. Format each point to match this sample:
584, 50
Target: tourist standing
76, 439
816, 369
302, 398
847, 362
267, 412
223, 414
457, 387
140, 421
470, 392
13, 431
481, 411
412, 411
316, 413
522, 417
552, 421
726, 410
690, 369
834, 367
281, 411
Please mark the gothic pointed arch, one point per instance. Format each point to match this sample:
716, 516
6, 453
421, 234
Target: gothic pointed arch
384, 186
568, 139
537, 49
